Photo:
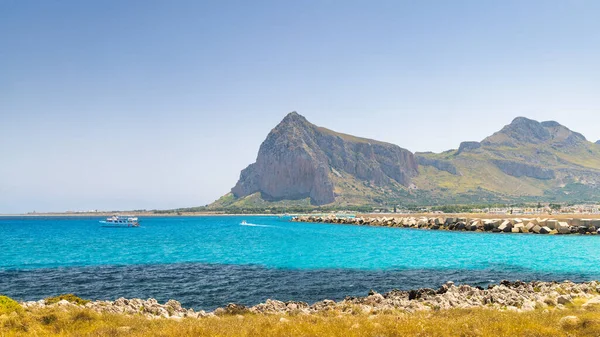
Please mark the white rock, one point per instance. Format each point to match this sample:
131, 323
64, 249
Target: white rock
592, 302
569, 321
564, 299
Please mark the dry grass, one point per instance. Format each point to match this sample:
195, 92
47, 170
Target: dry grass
481, 322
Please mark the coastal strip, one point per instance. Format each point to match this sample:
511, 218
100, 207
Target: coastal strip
505, 225
506, 296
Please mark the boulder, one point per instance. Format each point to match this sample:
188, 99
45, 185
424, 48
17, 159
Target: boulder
520, 227
488, 225
569, 322
552, 224
563, 228
533, 222
564, 299
593, 302
528, 306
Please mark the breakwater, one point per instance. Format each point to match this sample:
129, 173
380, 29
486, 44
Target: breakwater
514, 296
510, 225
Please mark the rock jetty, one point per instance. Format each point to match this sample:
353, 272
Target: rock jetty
514, 296
513, 225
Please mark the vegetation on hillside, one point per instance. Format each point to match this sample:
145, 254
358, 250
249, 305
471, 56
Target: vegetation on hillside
67, 297
525, 162
8, 305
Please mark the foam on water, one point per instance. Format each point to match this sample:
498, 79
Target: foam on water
256, 225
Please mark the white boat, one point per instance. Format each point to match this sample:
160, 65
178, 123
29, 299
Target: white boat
117, 221
244, 222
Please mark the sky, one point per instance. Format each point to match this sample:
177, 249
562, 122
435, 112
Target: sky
145, 104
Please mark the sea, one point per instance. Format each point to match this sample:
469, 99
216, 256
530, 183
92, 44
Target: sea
208, 262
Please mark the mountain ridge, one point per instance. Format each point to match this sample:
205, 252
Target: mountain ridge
301, 163
300, 160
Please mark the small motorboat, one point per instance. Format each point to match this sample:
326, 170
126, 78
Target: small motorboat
244, 222
117, 221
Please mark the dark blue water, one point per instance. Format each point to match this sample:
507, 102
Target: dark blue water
206, 262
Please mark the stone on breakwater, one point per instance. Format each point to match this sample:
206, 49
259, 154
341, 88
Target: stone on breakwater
514, 225
563, 228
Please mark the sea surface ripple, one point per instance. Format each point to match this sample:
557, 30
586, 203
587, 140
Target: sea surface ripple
206, 262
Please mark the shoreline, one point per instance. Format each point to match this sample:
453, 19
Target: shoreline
506, 309
514, 296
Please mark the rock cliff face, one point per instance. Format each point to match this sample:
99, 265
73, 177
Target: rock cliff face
468, 146
301, 164
440, 164
300, 160
517, 169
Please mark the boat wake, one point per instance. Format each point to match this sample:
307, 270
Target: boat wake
255, 225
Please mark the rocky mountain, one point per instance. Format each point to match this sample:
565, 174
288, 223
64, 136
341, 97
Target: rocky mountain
299, 160
302, 164
525, 161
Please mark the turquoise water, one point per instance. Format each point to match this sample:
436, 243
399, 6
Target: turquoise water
29, 243
210, 261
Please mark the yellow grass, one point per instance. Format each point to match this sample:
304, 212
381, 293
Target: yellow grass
480, 322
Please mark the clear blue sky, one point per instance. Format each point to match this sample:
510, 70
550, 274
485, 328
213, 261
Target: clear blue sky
160, 104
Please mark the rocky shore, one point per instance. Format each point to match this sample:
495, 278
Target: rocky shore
513, 225
512, 296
